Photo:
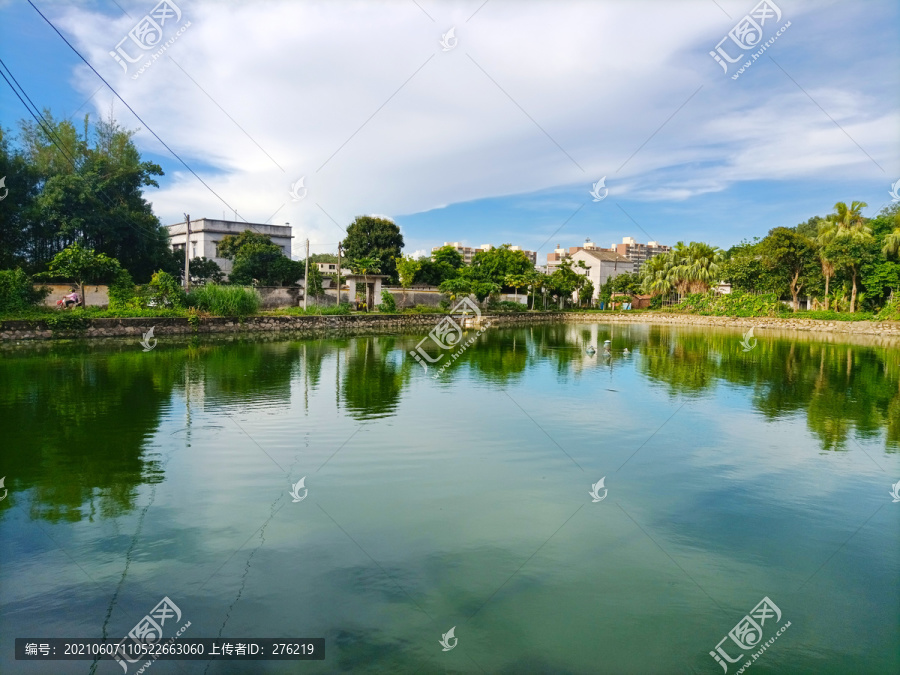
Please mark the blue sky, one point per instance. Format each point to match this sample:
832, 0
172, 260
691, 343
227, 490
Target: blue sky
499, 137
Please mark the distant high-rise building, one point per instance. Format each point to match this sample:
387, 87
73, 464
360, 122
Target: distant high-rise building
639, 253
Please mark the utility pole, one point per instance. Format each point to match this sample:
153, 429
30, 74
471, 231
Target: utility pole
339, 273
306, 277
187, 252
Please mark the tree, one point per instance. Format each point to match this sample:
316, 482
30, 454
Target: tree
447, 254
691, 268
203, 270
375, 238
366, 266
456, 287
231, 244
654, 274
586, 293
742, 267
496, 264
482, 289
264, 265
536, 280
851, 233
323, 258
849, 254
81, 265
313, 286
792, 257
434, 273
824, 237
407, 267
564, 281
516, 281
85, 187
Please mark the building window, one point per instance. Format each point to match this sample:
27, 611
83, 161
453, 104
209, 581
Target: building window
177, 247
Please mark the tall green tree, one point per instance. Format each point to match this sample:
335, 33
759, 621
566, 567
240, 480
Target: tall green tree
496, 264
87, 187
850, 242
824, 238
375, 238
792, 257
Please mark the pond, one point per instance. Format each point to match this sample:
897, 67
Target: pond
687, 506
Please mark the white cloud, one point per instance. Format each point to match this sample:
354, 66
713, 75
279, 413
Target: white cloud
359, 98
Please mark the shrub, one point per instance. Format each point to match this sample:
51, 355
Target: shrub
890, 312
121, 290
506, 306
225, 300
17, 292
736, 303
165, 291
388, 304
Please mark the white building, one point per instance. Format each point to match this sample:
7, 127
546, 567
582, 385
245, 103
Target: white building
206, 235
603, 266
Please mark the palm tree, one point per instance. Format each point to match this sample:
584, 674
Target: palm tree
892, 243
698, 268
827, 230
848, 218
690, 268
654, 275
851, 226
364, 266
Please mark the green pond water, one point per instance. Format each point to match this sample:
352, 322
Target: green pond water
463, 501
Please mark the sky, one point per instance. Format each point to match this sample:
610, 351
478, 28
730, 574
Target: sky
482, 122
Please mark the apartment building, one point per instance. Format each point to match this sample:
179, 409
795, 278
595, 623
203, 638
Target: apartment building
639, 253
468, 252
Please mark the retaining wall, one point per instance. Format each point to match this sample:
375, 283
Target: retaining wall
356, 324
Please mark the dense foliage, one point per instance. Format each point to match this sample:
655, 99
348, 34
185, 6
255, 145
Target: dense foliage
374, 238
67, 186
17, 292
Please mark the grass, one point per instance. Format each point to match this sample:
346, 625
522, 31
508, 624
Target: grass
225, 300
315, 310
49, 313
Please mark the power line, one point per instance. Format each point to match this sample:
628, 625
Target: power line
146, 126
45, 126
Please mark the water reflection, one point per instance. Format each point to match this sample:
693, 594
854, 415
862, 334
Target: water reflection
78, 420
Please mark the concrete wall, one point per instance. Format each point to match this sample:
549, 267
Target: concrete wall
94, 295
275, 297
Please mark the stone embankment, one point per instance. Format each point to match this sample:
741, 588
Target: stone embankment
361, 324
883, 328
